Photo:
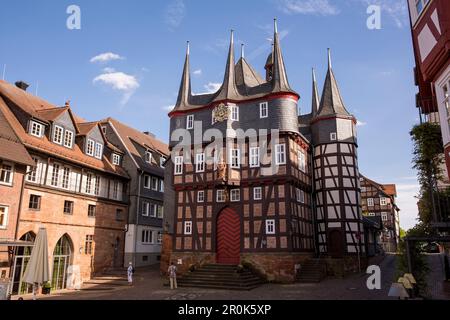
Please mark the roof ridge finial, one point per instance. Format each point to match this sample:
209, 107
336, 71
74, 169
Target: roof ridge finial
188, 48
242, 50
275, 25
329, 58
314, 75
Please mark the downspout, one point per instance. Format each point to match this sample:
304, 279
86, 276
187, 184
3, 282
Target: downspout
137, 216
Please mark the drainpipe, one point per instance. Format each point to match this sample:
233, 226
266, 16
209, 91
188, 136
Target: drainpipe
137, 217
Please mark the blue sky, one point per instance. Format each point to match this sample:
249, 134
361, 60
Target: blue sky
126, 62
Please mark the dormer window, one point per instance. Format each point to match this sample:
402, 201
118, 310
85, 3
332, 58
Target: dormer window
58, 134
98, 150
115, 159
162, 160
36, 129
68, 139
90, 147
148, 157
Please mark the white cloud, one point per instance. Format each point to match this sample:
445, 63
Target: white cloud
109, 70
212, 87
361, 123
396, 9
106, 57
119, 81
314, 7
175, 13
197, 72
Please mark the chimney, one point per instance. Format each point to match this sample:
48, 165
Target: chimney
148, 133
22, 85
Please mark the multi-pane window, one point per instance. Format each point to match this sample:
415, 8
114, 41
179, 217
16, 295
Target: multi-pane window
301, 161
68, 139
91, 210
270, 226
280, 154
147, 236
188, 227
115, 193
257, 193
65, 178
36, 129
178, 165
235, 158
263, 110
235, 195
234, 113
147, 182
6, 174
148, 156
55, 175
201, 196
384, 216
68, 207
115, 159
145, 208
155, 183
98, 150
97, 186
32, 175
220, 197
153, 210
161, 185
90, 147
300, 195
35, 202
190, 122
383, 201
160, 237
88, 183
58, 135
254, 157
89, 244
3, 216
333, 136
200, 162
370, 202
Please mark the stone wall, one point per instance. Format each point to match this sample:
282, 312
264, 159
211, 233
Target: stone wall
166, 252
345, 266
189, 259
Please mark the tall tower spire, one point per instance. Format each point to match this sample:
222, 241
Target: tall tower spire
331, 102
315, 95
184, 94
279, 78
229, 89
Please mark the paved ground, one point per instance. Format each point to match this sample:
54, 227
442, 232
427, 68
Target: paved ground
149, 285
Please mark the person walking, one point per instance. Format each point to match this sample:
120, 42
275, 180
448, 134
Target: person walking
173, 276
130, 272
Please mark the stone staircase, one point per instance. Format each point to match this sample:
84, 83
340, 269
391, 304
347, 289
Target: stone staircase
107, 280
312, 271
220, 276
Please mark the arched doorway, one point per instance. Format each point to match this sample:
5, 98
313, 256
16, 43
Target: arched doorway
22, 256
228, 237
62, 257
335, 244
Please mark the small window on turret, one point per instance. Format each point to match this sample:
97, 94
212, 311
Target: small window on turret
263, 110
333, 136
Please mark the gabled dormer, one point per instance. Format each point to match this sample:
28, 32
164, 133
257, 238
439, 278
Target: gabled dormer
36, 128
91, 139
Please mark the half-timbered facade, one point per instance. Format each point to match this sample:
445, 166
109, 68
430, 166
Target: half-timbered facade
255, 183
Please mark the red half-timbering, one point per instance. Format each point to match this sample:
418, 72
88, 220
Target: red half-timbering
228, 237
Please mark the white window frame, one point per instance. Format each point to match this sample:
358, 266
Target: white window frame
254, 157
54, 179
9, 173
162, 160
88, 186
147, 236
145, 209
36, 129
257, 193
372, 214
90, 147
300, 195
384, 216
159, 237
4, 225
58, 135
301, 160
148, 156
178, 167
234, 113
333, 136
97, 185
115, 159
98, 150
220, 196
65, 181
68, 142
235, 158
149, 184
160, 212
155, 184
33, 175
188, 227
201, 196
383, 201
423, 4
370, 202
200, 162
190, 122
280, 154
235, 195
263, 110
270, 226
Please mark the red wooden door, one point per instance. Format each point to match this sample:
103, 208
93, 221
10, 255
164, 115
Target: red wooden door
228, 237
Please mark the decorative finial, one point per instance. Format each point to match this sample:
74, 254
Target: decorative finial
232, 36
275, 26
67, 104
314, 74
188, 48
329, 58
242, 51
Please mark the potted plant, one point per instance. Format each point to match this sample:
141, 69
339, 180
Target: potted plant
46, 288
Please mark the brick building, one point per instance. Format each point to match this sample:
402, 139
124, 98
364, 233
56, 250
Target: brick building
143, 160
379, 200
74, 189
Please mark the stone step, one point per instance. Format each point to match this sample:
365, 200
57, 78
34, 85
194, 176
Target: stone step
219, 287
236, 284
106, 282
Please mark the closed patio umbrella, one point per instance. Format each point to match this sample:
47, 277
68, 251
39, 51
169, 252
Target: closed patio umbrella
37, 271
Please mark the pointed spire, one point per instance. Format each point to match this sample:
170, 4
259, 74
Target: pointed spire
184, 94
331, 102
229, 89
315, 95
279, 78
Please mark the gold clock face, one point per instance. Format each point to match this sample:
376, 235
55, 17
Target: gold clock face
221, 113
